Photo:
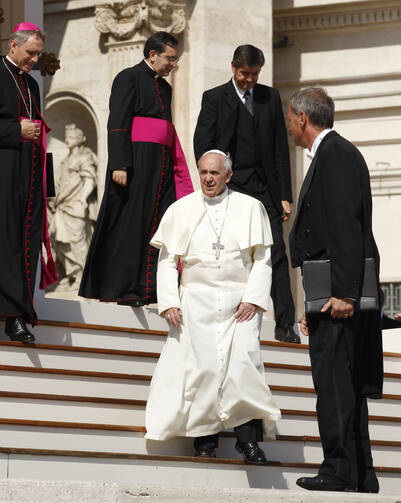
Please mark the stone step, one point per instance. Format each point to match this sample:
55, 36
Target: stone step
293, 448
191, 472
112, 416
35, 491
123, 338
128, 361
126, 392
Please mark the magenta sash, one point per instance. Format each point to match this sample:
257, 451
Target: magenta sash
148, 129
48, 272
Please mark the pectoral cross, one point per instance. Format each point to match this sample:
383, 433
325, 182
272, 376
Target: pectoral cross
218, 247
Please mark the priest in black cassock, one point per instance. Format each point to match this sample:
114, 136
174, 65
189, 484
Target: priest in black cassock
146, 173
23, 222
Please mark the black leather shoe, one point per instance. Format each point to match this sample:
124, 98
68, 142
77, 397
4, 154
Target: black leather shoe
17, 331
252, 453
324, 483
205, 452
286, 334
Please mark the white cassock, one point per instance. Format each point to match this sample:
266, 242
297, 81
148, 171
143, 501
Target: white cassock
210, 375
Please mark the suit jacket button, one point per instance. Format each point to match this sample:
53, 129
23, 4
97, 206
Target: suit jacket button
307, 205
307, 232
307, 255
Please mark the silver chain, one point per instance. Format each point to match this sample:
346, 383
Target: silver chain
28, 110
218, 236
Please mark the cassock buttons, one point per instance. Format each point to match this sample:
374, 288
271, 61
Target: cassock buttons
307, 232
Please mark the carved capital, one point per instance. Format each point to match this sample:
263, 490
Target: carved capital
123, 19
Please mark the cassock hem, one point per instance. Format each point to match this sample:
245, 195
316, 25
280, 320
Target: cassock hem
268, 433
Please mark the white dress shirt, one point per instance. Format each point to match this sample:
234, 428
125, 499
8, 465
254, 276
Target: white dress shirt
240, 92
311, 153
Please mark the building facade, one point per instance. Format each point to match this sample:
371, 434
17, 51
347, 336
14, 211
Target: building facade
352, 48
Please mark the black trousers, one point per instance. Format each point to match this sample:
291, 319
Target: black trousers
283, 304
252, 431
342, 411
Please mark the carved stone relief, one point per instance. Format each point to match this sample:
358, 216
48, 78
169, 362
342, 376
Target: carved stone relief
125, 26
122, 19
73, 212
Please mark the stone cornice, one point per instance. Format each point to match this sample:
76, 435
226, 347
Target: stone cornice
307, 20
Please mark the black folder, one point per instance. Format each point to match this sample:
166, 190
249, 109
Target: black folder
316, 277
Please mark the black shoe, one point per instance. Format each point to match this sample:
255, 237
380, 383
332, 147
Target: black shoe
17, 331
286, 334
205, 452
252, 453
324, 483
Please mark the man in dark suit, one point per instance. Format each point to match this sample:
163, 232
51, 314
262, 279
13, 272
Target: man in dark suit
334, 221
245, 119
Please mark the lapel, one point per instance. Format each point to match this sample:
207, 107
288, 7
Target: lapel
258, 103
231, 99
308, 179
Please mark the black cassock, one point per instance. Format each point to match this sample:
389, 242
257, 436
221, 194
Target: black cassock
121, 265
21, 196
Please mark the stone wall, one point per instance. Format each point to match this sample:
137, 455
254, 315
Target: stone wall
79, 91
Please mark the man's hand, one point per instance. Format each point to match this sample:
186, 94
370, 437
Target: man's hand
120, 177
286, 210
340, 308
304, 325
245, 312
173, 315
29, 130
397, 316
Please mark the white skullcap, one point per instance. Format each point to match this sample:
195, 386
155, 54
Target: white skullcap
215, 151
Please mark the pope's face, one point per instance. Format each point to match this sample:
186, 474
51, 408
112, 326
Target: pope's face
26, 55
213, 176
162, 63
246, 76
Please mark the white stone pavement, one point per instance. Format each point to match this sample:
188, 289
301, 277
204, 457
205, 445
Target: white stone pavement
29, 491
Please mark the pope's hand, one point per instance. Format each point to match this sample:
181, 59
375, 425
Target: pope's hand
29, 129
173, 315
245, 312
120, 177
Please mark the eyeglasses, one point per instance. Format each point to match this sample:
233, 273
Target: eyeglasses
170, 59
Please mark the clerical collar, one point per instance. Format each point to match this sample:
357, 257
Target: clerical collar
147, 67
240, 92
215, 199
12, 66
311, 153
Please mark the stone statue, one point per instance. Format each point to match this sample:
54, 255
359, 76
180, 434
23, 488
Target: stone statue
74, 209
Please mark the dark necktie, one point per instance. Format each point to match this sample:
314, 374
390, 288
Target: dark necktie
248, 102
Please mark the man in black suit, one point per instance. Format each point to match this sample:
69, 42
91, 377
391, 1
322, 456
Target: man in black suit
245, 119
334, 221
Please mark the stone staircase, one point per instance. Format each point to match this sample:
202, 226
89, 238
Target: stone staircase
72, 408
